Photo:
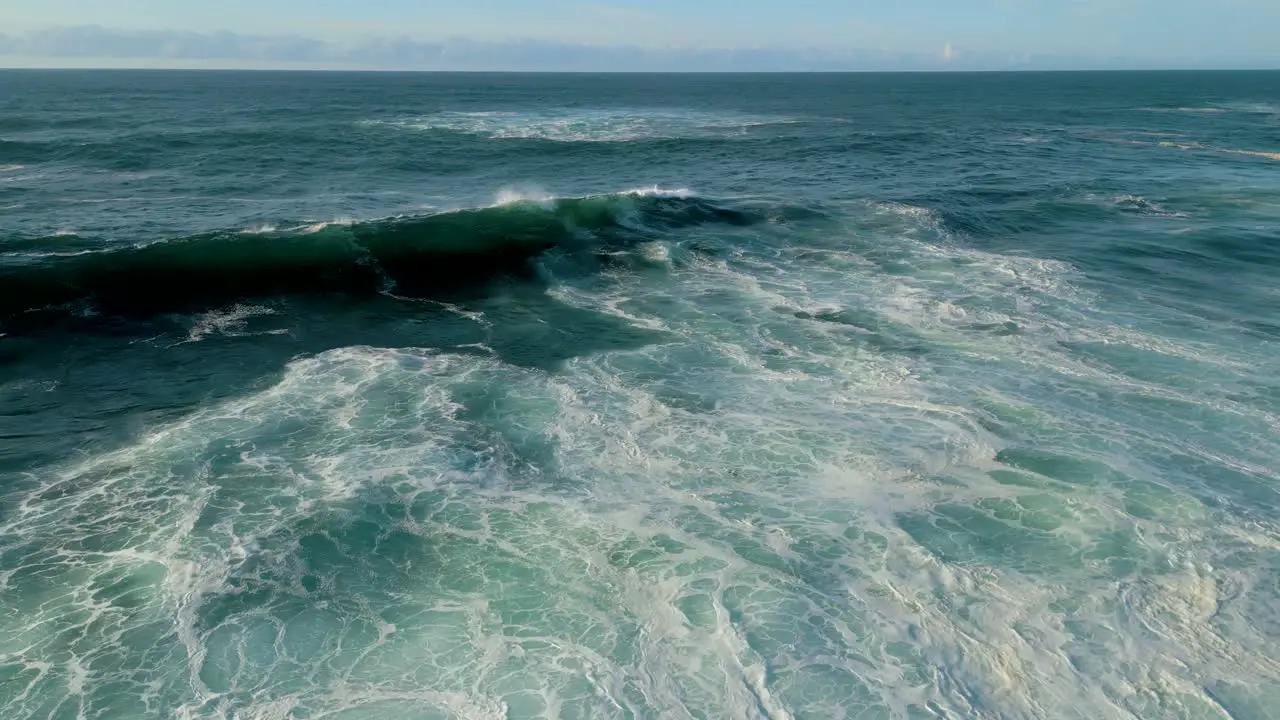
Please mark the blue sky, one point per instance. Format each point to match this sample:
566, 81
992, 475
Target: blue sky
960, 33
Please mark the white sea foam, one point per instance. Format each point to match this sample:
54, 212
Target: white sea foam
519, 197
1190, 110
1181, 145
603, 125
1190, 145
231, 322
1254, 108
262, 229
1008, 644
915, 218
656, 191
791, 505
534, 196
1253, 153
317, 227
656, 252
1143, 206
1230, 151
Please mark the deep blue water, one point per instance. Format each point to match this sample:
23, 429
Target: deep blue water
330, 395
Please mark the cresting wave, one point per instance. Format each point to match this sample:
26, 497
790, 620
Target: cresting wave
424, 256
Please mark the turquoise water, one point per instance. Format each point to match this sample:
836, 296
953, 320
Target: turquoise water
497, 396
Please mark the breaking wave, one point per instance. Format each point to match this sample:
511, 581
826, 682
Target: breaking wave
423, 256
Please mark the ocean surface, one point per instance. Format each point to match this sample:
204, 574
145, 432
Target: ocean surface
350, 396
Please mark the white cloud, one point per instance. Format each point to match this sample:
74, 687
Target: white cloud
99, 46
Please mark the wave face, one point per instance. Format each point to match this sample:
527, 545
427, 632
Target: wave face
431, 256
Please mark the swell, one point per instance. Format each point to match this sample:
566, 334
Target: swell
424, 256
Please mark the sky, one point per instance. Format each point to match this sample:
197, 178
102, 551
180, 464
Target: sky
642, 35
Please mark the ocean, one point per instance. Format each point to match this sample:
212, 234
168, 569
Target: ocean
347, 395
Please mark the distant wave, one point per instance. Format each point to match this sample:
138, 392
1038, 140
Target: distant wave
585, 125
1230, 151
421, 256
1192, 110
1253, 108
1251, 153
1139, 205
1242, 107
1191, 145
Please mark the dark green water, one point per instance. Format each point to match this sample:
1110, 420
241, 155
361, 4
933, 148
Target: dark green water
514, 396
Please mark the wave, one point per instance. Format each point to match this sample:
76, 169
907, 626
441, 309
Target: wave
1206, 110
1138, 205
1192, 145
1253, 108
421, 256
1229, 151
607, 126
1251, 153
